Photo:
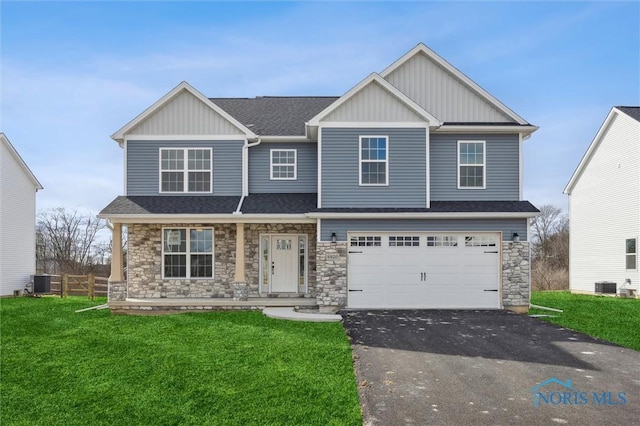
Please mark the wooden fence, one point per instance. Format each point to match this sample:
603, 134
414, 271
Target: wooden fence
79, 285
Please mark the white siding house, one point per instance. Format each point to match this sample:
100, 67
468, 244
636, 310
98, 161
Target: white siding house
18, 187
604, 206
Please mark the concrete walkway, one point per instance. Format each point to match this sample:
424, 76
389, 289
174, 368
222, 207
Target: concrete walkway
293, 315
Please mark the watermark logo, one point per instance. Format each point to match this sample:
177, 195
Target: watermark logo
556, 392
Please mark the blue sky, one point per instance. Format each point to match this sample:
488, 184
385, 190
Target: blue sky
72, 73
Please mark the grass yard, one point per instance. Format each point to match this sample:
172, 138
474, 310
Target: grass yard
613, 319
59, 367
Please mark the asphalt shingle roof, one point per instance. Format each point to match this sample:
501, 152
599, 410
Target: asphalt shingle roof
288, 204
162, 204
631, 111
275, 115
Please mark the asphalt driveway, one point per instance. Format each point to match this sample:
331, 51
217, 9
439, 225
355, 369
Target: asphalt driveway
488, 367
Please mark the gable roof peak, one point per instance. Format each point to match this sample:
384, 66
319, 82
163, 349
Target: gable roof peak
14, 153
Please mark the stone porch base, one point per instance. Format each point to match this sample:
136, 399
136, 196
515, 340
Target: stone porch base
159, 306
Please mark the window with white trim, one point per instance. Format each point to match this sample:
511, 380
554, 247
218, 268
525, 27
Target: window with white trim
631, 254
283, 164
187, 252
471, 164
374, 162
404, 241
186, 170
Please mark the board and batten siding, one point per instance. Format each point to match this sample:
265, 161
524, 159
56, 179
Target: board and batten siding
442, 94
185, 115
406, 168
17, 224
342, 226
373, 103
307, 168
604, 208
143, 168
502, 168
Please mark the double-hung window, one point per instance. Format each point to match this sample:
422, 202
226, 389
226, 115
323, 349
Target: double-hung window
283, 164
631, 253
471, 165
374, 160
185, 170
187, 252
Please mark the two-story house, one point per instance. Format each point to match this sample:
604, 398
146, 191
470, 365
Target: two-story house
405, 192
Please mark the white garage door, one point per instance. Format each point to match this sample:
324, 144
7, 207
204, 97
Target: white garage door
424, 270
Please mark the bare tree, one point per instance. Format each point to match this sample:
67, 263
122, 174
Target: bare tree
550, 249
66, 241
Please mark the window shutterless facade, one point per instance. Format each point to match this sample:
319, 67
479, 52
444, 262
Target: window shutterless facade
471, 165
186, 170
283, 164
374, 161
187, 253
631, 254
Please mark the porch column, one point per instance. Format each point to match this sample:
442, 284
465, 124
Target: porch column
240, 291
116, 254
117, 290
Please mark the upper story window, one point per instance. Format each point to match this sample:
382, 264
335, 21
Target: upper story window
374, 155
631, 253
284, 164
471, 165
185, 170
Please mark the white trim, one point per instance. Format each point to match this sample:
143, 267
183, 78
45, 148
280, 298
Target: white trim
375, 77
125, 148
412, 215
121, 133
319, 197
385, 161
520, 168
595, 143
188, 252
295, 164
484, 165
185, 171
428, 170
422, 48
375, 124
457, 128
207, 218
180, 138
302, 138
14, 153
318, 230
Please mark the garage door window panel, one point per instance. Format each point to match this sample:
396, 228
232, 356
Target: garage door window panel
404, 241
480, 241
366, 241
442, 241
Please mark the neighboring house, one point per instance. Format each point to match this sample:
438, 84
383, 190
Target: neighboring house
405, 192
604, 206
18, 187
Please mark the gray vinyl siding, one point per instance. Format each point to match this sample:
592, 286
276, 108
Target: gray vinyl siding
406, 168
143, 165
502, 168
342, 226
307, 169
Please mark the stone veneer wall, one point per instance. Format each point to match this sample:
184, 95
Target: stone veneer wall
332, 274
516, 274
144, 267
145, 261
252, 234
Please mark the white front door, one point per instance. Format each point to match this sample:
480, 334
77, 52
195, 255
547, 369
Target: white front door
284, 263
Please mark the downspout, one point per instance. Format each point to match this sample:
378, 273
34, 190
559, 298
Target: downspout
245, 172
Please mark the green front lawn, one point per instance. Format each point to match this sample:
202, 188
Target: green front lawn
612, 319
59, 367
